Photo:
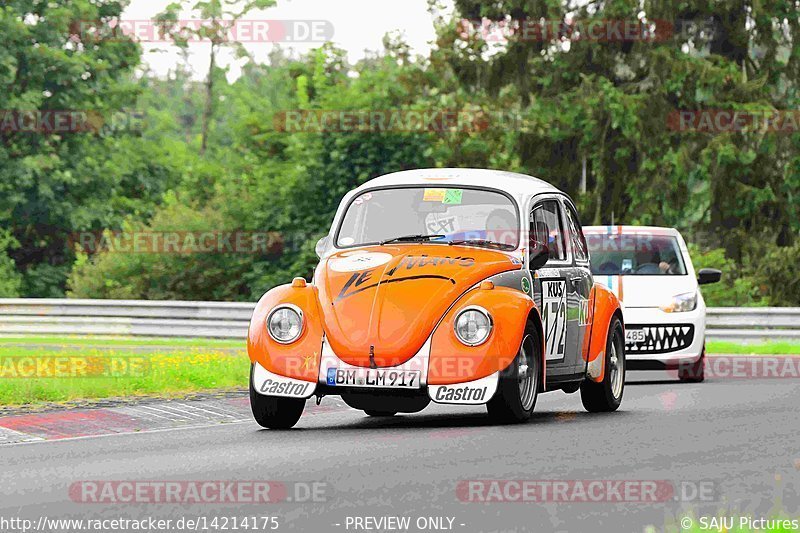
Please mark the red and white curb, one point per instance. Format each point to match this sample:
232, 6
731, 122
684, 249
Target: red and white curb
144, 417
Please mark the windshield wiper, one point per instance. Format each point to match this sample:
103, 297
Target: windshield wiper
413, 238
482, 242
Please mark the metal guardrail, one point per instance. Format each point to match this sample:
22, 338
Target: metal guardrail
753, 323
129, 318
136, 318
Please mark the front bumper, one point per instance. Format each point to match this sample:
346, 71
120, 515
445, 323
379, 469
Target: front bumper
472, 392
669, 339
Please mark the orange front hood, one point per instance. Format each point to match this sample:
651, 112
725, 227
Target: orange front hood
385, 301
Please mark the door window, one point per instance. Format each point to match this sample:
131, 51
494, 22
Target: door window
579, 248
547, 228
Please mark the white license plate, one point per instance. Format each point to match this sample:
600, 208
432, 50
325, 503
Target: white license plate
373, 377
634, 335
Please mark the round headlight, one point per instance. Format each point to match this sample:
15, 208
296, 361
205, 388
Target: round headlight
285, 324
473, 326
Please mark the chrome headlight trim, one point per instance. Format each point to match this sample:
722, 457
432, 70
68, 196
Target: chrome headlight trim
297, 311
482, 311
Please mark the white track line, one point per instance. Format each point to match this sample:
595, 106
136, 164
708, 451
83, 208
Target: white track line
142, 432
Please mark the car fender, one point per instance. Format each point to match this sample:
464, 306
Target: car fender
452, 362
604, 306
300, 359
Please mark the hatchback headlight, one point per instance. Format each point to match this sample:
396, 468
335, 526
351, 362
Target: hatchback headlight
473, 326
285, 324
681, 303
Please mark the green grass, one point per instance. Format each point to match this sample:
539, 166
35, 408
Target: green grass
173, 367
119, 371
84, 340
762, 348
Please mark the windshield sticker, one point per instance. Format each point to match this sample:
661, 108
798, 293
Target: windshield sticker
366, 197
444, 225
444, 196
434, 195
453, 197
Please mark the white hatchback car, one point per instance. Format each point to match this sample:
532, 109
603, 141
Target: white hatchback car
650, 271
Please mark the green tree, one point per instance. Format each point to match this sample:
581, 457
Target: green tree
64, 56
218, 17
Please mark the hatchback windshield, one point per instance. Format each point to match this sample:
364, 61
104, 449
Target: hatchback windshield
431, 214
635, 255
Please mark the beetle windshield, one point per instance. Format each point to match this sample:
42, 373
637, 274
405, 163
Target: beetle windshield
635, 255
431, 214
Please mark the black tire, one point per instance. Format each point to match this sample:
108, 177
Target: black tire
274, 412
693, 372
600, 397
507, 404
372, 412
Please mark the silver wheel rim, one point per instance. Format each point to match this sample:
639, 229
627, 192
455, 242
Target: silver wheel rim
617, 369
526, 376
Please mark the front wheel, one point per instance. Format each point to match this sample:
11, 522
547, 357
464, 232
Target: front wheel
519, 383
274, 412
606, 396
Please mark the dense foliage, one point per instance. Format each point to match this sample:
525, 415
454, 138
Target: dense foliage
209, 156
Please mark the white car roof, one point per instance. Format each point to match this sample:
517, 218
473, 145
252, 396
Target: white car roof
629, 230
519, 185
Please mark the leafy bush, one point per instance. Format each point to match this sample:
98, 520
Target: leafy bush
777, 271
736, 289
10, 279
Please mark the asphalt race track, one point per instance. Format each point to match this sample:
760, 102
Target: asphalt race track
727, 447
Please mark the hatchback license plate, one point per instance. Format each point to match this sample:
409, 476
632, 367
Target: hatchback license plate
634, 336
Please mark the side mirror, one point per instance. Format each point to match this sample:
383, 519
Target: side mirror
708, 275
539, 254
322, 245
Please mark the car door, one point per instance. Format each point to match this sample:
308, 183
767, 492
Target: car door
552, 283
579, 282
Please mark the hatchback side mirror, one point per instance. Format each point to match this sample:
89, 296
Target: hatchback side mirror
322, 245
539, 254
708, 275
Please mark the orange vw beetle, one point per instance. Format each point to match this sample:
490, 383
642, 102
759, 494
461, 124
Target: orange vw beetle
456, 286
